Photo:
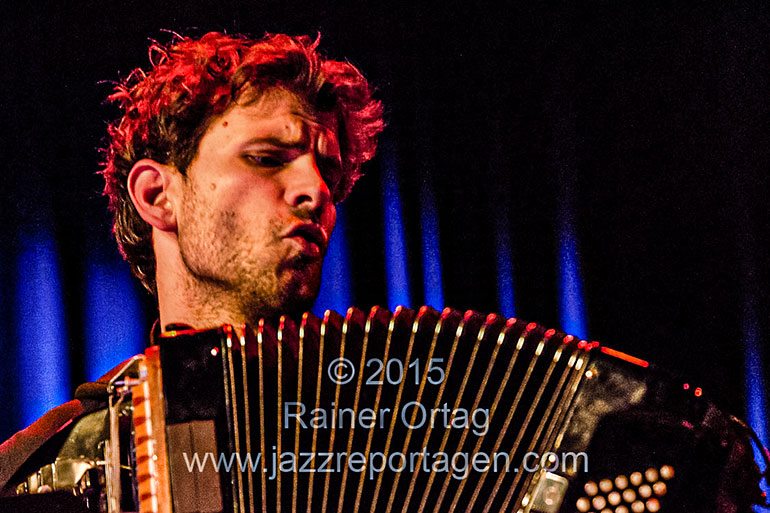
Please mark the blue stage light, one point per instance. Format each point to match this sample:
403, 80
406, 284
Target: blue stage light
433, 289
756, 402
504, 268
336, 279
396, 268
572, 311
43, 368
113, 328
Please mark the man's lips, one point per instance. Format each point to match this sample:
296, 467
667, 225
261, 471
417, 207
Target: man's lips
312, 233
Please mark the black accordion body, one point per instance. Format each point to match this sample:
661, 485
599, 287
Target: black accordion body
410, 412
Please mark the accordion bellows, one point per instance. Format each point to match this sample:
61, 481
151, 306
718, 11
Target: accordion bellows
409, 411
424, 411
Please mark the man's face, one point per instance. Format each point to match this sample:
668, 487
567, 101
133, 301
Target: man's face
257, 213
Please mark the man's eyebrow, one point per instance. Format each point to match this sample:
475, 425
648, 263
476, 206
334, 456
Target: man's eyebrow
297, 144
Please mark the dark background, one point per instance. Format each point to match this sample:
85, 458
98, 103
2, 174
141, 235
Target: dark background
647, 122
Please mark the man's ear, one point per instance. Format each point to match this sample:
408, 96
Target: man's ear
149, 184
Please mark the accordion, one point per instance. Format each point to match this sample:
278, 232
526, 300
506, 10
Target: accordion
410, 411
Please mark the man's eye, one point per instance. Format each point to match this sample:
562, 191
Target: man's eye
266, 160
331, 172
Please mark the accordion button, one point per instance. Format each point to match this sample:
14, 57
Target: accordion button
666, 472
651, 475
583, 504
653, 505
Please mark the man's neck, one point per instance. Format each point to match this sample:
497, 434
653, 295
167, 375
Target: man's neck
184, 300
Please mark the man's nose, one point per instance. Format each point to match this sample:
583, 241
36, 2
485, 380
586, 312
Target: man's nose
305, 187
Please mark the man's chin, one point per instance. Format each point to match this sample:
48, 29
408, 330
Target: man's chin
293, 308
304, 298
295, 297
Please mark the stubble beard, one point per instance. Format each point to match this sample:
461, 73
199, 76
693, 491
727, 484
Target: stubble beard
236, 277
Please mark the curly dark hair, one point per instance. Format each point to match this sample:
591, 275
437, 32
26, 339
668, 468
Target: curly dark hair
167, 110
